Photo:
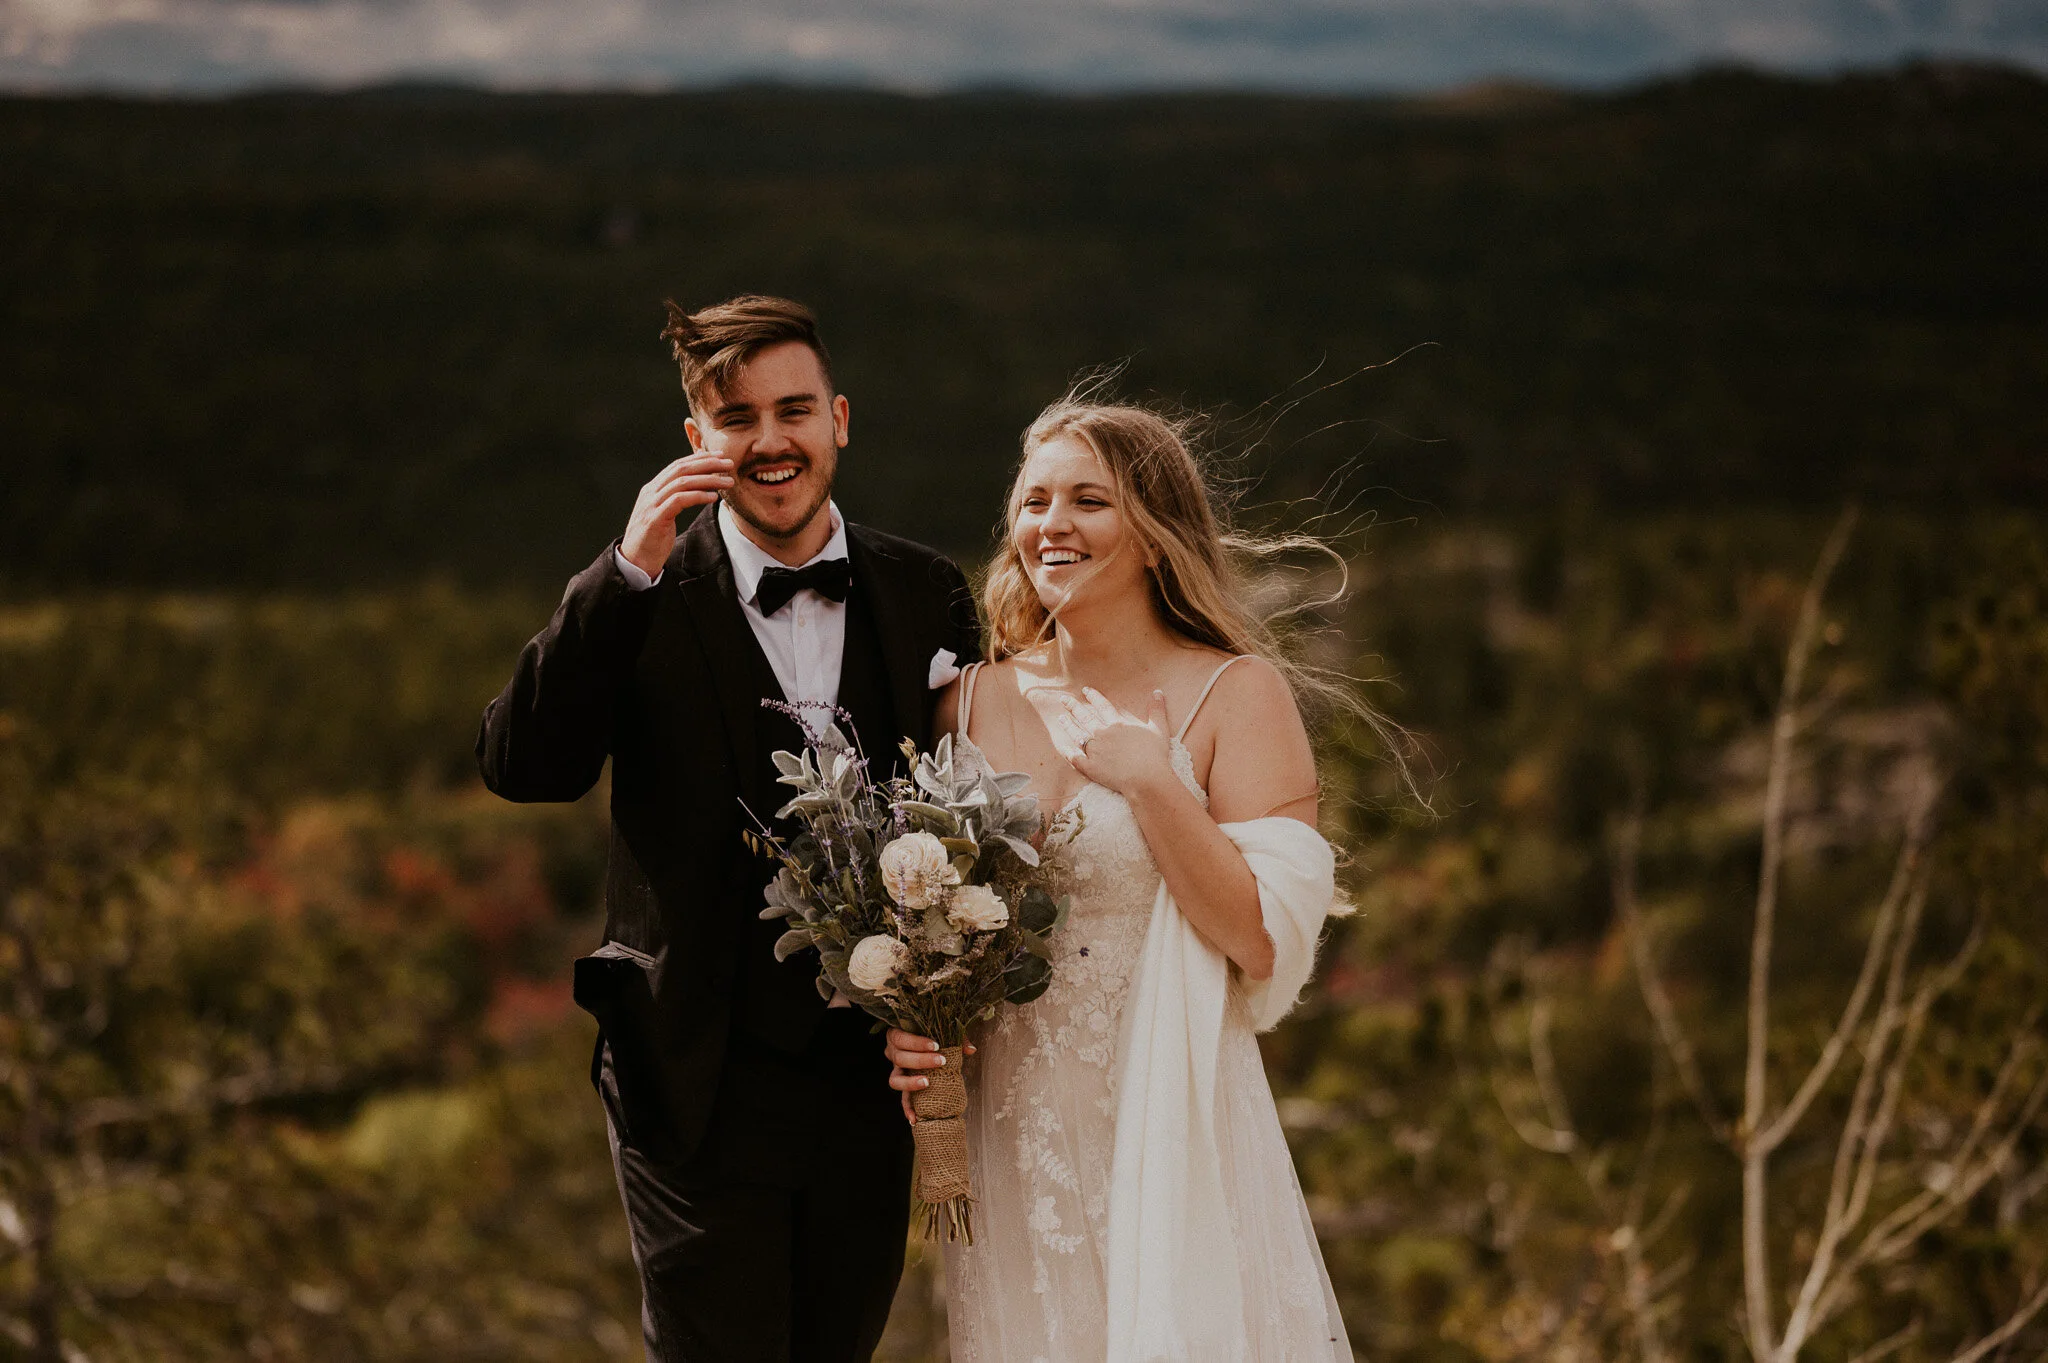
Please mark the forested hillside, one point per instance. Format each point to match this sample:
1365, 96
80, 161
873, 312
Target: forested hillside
295, 340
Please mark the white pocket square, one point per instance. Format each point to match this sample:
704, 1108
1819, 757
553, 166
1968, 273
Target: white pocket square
942, 669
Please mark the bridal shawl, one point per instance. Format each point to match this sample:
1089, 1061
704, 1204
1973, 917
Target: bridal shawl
1181, 1239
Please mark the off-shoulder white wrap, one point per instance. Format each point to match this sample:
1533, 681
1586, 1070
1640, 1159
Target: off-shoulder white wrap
1175, 1286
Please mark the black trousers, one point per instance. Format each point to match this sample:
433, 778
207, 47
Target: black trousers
781, 1239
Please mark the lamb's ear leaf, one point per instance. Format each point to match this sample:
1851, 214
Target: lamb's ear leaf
945, 818
1026, 853
791, 942
825, 989
961, 847
788, 763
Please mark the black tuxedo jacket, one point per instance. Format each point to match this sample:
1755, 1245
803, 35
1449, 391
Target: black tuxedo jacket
665, 682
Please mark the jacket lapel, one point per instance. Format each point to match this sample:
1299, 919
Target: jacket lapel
881, 575
705, 582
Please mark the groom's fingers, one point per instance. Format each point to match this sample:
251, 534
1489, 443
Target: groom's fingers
688, 464
697, 480
679, 502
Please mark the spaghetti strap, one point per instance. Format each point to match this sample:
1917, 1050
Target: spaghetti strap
1214, 677
967, 680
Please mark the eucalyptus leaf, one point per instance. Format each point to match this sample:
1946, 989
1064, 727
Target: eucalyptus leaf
1037, 912
1027, 978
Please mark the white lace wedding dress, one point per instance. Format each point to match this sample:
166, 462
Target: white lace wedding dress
1042, 1126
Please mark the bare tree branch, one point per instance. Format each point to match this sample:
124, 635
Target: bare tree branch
1628, 842
1756, 1268
1872, 1128
1903, 873
1855, 1150
2013, 1325
1891, 1344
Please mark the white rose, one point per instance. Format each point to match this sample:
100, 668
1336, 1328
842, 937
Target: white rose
977, 908
875, 962
917, 872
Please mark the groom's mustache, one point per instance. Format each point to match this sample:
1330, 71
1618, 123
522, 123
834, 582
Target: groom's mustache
778, 461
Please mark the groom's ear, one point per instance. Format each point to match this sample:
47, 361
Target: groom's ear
695, 433
839, 419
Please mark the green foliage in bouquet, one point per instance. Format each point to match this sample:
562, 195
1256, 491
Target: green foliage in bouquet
926, 897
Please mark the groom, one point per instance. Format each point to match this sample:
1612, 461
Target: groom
762, 1158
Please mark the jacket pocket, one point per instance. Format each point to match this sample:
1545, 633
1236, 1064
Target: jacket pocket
615, 985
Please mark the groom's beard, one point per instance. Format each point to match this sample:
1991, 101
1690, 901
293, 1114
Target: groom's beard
779, 532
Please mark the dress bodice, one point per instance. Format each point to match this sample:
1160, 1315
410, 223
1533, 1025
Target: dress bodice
1112, 880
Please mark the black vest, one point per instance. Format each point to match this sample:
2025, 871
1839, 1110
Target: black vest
778, 1002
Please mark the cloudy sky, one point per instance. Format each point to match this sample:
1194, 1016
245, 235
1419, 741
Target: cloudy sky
1330, 45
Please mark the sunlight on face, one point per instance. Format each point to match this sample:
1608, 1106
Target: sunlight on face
1068, 531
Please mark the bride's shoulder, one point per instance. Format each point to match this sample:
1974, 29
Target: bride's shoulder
971, 693
1251, 702
1261, 761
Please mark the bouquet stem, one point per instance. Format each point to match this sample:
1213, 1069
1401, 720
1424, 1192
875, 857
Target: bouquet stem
943, 1185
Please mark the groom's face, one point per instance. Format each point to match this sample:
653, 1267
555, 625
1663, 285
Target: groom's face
782, 427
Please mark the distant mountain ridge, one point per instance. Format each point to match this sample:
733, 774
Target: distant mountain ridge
322, 340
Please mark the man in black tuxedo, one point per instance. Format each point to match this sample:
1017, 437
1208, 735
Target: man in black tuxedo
762, 1158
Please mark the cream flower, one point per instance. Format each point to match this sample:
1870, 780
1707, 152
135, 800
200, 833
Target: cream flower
977, 908
917, 872
876, 962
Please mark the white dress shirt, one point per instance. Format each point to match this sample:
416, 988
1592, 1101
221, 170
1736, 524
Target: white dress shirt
806, 639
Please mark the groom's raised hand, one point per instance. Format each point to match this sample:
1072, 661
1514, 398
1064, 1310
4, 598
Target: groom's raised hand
694, 480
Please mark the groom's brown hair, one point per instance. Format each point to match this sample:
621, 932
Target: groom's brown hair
713, 344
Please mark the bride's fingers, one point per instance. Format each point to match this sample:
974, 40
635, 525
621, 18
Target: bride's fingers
905, 1082
1076, 711
1069, 739
1105, 711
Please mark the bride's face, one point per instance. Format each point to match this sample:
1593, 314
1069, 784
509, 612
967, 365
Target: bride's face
1070, 533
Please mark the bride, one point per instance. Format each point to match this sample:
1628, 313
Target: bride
1138, 1202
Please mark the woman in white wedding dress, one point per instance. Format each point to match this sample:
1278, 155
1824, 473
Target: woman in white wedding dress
1137, 1201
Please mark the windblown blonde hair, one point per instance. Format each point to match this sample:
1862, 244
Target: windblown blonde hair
1202, 578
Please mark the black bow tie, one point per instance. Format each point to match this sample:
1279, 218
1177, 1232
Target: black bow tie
828, 577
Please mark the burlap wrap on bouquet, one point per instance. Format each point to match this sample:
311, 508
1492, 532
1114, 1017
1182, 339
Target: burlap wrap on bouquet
941, 1139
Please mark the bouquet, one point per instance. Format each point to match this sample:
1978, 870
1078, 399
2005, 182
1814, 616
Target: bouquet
929, 905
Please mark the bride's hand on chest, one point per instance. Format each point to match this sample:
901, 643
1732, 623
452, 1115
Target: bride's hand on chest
1112, 747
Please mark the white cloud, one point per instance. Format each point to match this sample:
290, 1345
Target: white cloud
935, 44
